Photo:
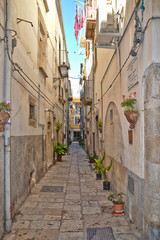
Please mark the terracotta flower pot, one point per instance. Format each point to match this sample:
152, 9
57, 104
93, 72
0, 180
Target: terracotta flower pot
118, 209
132, 118
100, 129
4, 117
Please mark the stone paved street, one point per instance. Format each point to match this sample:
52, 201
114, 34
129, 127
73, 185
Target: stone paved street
72, 202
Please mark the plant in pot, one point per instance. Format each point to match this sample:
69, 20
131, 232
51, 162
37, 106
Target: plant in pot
118, 203
106, 183
130, 111
92, 157
98, 165
99, 123
4, 114
60, 150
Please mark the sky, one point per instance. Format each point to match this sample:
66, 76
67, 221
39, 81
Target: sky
68, 11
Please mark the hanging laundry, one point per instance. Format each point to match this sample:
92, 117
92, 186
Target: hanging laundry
76, 26
82, 19
79, 16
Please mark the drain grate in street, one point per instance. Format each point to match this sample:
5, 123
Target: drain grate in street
53, 189
105, 233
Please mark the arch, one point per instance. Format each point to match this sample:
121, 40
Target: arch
114, 147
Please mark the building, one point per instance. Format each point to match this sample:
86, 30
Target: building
75, 106
123, 58
34, 66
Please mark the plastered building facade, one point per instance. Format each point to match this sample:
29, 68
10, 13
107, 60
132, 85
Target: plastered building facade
122, 40
33, 48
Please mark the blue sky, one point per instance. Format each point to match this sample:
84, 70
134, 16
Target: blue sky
68, 11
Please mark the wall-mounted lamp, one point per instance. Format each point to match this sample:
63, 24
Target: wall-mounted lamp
63, 69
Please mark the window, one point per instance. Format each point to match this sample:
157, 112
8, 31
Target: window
76, 107
76, 120
32, 121
32, 111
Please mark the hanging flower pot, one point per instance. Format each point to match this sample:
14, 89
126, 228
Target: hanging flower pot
4, 117
100, 129
132, 118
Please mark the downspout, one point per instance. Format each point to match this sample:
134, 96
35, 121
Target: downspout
7, 133
93, 124
43, 131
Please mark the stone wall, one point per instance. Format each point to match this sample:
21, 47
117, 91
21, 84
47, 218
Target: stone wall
152, 152
26, 167
122, 179
1, 186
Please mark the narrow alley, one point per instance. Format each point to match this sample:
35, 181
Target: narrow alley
69, 204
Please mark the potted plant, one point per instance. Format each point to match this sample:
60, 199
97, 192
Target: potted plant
106, 183
58, 126
98, 165
92, 157
87, 130
60, 150
131, 113
4, 115
99, 123
118, 203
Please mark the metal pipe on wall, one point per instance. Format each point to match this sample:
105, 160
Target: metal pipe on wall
93, 125
7, 134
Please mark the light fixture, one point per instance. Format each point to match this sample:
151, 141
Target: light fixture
63, 69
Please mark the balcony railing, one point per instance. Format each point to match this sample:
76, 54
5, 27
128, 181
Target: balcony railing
90, 22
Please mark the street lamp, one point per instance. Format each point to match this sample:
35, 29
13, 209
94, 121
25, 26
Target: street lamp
63, 69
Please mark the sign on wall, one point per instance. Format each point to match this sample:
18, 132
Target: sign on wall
132, 71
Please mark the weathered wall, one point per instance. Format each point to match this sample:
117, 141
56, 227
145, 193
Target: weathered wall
152, 152
1, 185
26, 166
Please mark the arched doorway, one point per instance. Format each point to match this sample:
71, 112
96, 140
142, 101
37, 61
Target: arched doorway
114, 148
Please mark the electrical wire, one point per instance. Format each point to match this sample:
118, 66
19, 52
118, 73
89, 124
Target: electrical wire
156, 17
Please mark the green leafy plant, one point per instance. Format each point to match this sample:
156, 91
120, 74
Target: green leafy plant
99, 123
103, 169
116, 198
98, 164
60, 149
58, 126
4, 107
129, 103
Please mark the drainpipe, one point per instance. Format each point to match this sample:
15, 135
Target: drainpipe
93, 124
43, 130
7, 134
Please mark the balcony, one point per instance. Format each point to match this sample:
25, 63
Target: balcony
90, 23
106, 25
88, 96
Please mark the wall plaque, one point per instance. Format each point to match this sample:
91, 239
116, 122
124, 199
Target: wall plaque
132, 73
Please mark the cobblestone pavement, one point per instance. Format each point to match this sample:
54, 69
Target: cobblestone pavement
66, 202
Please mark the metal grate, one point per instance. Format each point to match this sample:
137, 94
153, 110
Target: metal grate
105, 233
53, 189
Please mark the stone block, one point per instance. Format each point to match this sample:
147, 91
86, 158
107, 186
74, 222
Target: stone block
152, 147
151, 121
152, 179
